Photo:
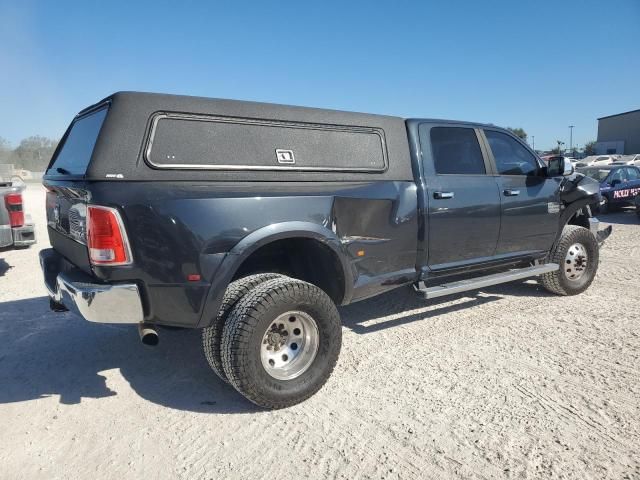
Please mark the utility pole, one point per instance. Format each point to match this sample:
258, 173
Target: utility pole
571, 139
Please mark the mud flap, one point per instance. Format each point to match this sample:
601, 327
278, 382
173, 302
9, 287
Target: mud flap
602, 235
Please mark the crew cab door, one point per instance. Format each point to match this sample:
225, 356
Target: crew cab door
530, 201
463, 203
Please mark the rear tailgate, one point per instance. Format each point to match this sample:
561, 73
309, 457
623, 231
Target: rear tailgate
66, 222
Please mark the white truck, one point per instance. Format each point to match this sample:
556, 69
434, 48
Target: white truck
16, 228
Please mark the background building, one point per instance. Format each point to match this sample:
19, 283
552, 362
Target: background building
619, 133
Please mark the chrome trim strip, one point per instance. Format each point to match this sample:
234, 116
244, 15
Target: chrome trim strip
250, 121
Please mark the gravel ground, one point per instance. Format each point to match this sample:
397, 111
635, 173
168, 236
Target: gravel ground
510, 382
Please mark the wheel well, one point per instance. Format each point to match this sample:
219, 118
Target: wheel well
303, 258
580, 218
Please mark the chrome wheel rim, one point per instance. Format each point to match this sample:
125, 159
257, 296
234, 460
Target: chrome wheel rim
289, 345
575, 262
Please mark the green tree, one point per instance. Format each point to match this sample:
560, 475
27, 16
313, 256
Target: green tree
518, 132
590, 148
34, 153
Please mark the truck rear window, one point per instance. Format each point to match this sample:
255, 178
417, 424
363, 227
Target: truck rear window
217, 143
75, 154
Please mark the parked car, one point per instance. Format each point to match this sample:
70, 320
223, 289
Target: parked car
16, 228
546, 158
570, 160
597, 160
253, 221
631, 159
619, 184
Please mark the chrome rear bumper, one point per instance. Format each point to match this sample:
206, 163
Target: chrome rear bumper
17, 236
6, 236
25, 235
95, 302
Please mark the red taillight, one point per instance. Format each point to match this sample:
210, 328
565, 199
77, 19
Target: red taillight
13, 202
106, 238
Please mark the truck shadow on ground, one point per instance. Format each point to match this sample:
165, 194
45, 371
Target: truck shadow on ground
45, 354
4, 266
403, 305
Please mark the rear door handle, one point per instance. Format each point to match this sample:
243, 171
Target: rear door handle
511, 193
442, 195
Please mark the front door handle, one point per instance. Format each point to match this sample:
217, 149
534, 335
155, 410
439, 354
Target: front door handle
442, 195
511, 193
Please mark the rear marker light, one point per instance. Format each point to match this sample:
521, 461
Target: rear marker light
106, 238
13, 202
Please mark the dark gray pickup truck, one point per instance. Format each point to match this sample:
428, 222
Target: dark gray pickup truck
254, 221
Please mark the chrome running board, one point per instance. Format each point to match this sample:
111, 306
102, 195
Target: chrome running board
486, 281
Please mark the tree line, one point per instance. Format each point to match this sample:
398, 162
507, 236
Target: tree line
32, 153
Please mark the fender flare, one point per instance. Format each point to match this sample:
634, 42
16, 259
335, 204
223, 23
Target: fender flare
571, 209
566, 215
264, 236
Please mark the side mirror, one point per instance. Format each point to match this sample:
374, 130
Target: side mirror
559, 166
568, 168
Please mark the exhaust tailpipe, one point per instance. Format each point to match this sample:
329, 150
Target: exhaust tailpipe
148, 334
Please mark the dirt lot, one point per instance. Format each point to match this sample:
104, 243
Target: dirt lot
511, 382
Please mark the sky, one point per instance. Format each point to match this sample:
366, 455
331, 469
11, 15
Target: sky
541, 65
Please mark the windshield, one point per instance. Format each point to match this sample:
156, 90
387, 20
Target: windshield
598, 174
75, 154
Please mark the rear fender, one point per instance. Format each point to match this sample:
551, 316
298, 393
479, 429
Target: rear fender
261, 237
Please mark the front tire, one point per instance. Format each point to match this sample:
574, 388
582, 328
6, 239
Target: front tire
577, 253
281, 342
212, 335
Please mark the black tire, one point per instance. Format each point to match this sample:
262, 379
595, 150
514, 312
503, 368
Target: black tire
560, 281
244, 334
212, 335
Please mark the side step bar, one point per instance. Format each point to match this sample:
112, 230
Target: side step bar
481, 282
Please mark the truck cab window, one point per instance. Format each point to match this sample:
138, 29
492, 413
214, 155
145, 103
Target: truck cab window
456, 151
511, 157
